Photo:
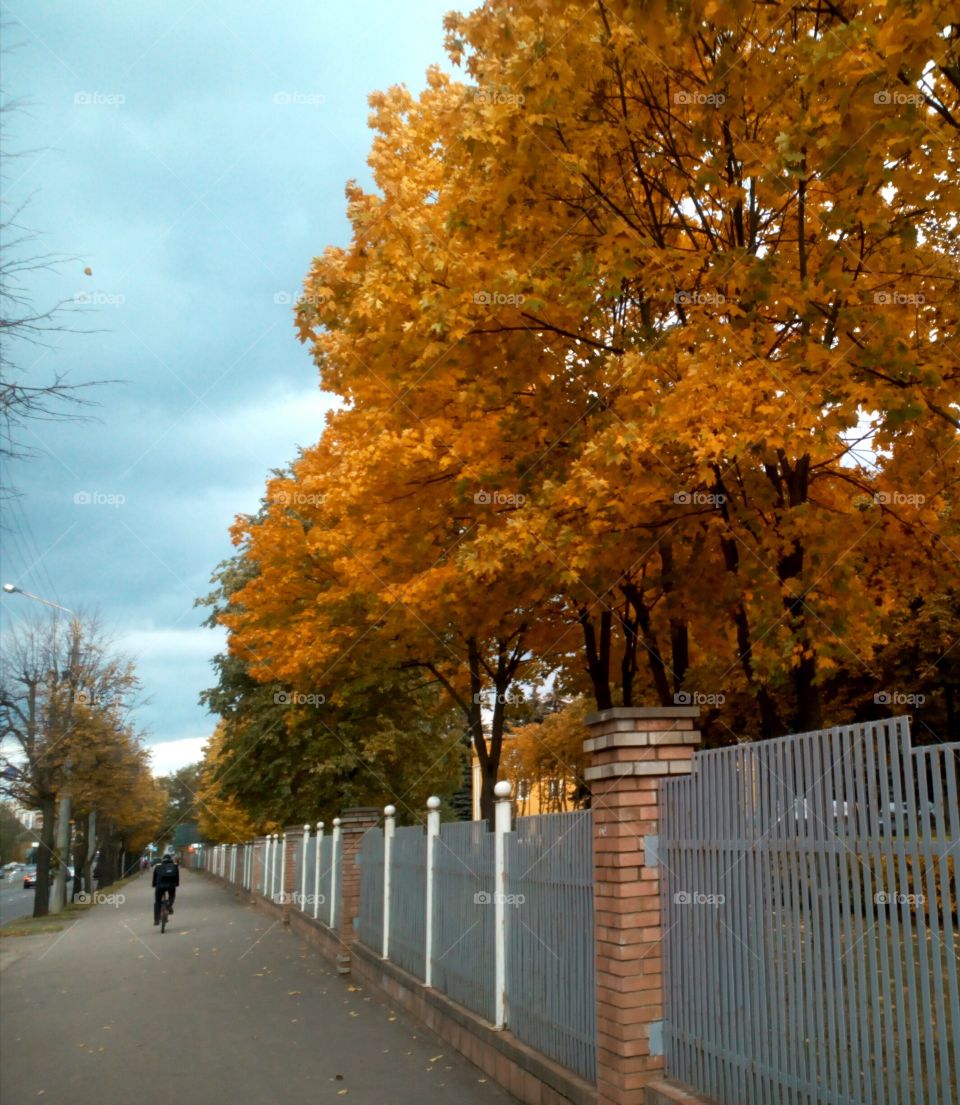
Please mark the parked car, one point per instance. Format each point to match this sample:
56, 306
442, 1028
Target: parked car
29, 877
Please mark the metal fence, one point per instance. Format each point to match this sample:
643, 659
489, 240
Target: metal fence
550, 932
464, 917
541, 899
370, 916
261, 866
408, 874
811, 943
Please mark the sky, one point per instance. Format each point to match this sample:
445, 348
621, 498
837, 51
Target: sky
193, 156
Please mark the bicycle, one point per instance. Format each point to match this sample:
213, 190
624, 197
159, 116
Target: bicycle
164, 910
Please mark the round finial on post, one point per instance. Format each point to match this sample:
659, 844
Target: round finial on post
306, 828
336, 822
433, 802
389, 811
319, 824
503, 789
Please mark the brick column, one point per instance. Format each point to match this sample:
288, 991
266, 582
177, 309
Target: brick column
353, 824
631, 749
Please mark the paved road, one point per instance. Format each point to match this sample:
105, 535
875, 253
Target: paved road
228, 1006
15, 902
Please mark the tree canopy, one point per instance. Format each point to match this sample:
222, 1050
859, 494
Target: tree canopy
646, 346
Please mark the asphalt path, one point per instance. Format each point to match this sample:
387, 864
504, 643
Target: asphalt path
227, 1006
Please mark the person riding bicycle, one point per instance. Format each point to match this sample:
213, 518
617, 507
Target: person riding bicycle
166, 879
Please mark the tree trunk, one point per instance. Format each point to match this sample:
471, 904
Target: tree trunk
770, 724
598, 656
41, 894
90, 852
107, 867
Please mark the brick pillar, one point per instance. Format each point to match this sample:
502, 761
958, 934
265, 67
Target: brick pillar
353, 824
631, 749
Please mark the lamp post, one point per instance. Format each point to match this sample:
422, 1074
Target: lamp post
13, 589
64, 811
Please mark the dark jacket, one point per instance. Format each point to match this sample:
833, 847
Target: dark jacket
166, 874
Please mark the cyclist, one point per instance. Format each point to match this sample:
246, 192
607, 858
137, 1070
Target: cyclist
166, 879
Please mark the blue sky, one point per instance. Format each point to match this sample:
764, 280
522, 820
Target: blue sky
193, 155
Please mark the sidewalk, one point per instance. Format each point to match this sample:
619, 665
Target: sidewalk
228, 1006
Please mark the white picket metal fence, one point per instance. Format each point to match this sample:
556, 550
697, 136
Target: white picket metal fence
260, 865
501, 922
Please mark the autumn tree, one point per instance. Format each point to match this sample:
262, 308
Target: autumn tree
65, 701
663, 246
298, 740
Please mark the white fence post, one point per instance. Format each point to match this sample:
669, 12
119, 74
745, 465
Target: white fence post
283, 868
389, 828
316, 871
304, 844
501, 826
433, 831
334, 864
267, 842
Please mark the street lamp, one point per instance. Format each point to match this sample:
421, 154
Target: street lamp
63, 819
13, 589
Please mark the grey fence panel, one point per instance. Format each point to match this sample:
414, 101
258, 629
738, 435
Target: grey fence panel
408, 886
551, 996
326, 876
293, 892
370, 919
464, 916
309, 861
810, 920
